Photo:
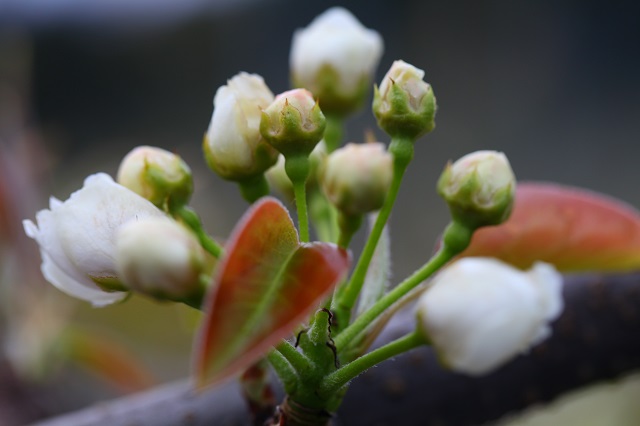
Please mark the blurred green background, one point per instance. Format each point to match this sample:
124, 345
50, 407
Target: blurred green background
552, 84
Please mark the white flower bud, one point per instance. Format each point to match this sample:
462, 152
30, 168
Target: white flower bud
481, 312
160, 258
357, 177
404, 104
77, 238
157, 175
479, 188
335, 58
233, 145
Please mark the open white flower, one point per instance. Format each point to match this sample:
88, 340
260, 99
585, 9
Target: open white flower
481, 312
77, 238
233, 145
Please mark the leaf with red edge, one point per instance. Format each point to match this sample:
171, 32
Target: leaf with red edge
571, 228
266, 284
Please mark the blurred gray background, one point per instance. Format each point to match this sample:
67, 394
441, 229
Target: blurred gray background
553, 84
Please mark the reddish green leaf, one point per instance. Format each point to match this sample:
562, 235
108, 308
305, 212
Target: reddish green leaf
574, 229
266, 285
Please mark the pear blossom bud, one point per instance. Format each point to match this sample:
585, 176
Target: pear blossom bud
404, 104
335, 58
293, 124
157, 175
160, 258
77, 238
481, 312
357, 177
233, 145
479, 189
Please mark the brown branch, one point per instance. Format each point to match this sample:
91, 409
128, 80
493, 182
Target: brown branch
595, 339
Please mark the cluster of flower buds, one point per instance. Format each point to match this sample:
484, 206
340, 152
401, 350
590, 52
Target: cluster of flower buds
138, 235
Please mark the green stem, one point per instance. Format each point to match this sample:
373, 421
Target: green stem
300, 192
323, 215
254, 188
349, 225
333, 132
286, 373
402, 150
336, 380
192, 220
297, 168
298, 361
350, 334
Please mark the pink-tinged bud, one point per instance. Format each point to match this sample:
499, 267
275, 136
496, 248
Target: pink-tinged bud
293, 124
480, 312
479, 189
357, 177
157, 175
404, 104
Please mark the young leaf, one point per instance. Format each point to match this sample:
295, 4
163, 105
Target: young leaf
376, 281
266, 284
574, 229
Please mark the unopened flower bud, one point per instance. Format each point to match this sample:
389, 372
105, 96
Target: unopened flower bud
160, 258
157, 175
481, 312
233, 145
293, 124
479, 189
335, 58
357, 177
404, 104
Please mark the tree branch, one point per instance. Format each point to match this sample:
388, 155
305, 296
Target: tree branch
595, 339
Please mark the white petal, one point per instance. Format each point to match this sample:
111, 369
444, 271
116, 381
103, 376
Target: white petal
79, 290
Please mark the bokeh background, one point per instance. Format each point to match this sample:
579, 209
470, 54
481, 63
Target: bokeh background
555, 85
